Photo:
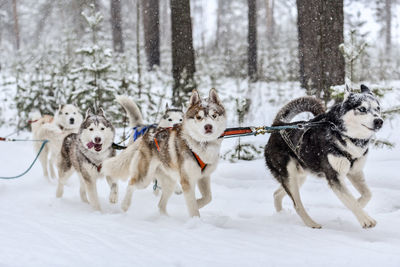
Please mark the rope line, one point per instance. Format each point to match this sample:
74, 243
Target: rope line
33, 163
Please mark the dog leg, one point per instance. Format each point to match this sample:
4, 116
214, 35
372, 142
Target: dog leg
82, 190
358, 181
126, 203
340, 189
168, 187
190, 196
205, 190
293, 186
278, 197
113, 190
51, 167
43, 158
91, 189
280, 193
63, 177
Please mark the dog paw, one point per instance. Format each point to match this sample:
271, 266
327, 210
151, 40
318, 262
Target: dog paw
113, 197
125, 206
59, 192
314, 225
367, 222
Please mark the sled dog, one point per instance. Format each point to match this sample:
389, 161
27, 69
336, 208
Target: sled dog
336, 147
67, 120
188, 152
85, 152
170, 118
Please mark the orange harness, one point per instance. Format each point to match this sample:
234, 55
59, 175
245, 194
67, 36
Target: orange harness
201, 163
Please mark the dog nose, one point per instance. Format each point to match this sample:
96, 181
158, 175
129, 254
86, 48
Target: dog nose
378, 123
208, 128
97, 140
71, 120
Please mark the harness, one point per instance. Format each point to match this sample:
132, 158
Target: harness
98, 167
296, 148
199, 161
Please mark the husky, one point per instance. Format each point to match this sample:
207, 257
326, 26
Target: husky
85, 152
170, 118
335, 147
67, 120
188, 152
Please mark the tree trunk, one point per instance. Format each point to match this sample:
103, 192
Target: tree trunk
16, 26
151, 26
252, 41
320, 31
116, 26
269, 4
388, 18
183, 65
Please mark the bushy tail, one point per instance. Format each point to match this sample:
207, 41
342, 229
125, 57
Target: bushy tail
297, 106
134, 114
118, 167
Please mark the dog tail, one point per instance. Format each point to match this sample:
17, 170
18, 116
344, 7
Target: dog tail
134, 114
297, 106
118, 166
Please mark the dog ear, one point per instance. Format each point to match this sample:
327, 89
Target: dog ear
88, 112
365, 89
347, 92
213, 96
195, 98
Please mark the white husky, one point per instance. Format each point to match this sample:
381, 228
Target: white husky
66, 121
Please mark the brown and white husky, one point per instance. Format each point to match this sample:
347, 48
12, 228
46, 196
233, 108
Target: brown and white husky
188, 152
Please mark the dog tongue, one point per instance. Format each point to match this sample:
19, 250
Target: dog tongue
97, 147
90, 145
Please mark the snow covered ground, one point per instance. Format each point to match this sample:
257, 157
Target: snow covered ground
238, 228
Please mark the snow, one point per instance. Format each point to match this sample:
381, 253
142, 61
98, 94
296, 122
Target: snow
238, 228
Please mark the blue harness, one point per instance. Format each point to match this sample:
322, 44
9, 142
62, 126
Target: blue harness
138, 131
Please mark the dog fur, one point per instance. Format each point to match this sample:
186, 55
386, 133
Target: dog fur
203, 123
171, 117
85, 152
335, 149
67, 120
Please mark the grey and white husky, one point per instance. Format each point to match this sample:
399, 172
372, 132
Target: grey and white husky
335, 148
170, 118
188, 152
85, 152
66, 120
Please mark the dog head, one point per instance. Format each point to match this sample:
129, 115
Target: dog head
171, 117
96, 132
205, 120
68, 116
361, 114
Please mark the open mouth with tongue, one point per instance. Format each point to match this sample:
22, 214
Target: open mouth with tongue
96, 146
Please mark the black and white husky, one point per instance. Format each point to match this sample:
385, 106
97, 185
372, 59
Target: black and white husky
85, 152
335, 148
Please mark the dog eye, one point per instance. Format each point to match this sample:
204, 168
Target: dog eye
74, 113
378, 108
214, 116
66, 113
102, 128
362, 109
198, 117
180, 119
169, 119
91, 129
